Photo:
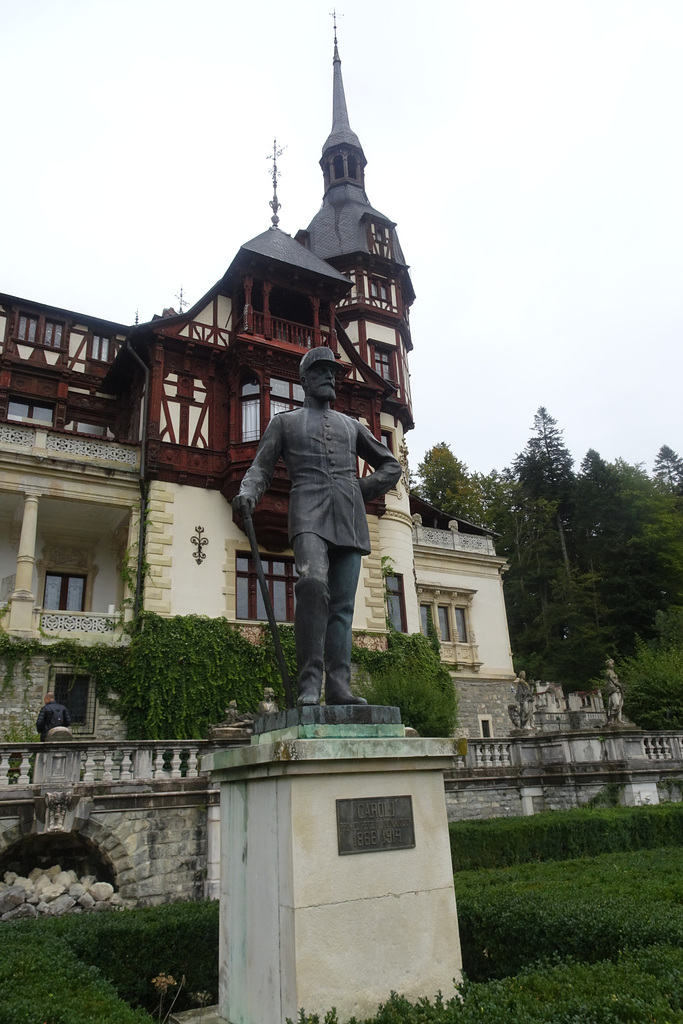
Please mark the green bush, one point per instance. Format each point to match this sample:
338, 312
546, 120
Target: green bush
590, 909
129, 948
410, 676
43, 982
641, 987
653, 686
561, 835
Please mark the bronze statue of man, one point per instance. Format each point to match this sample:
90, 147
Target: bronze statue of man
328, 527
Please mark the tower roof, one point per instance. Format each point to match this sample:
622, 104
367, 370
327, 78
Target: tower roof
281, 247
339, 227
341, 133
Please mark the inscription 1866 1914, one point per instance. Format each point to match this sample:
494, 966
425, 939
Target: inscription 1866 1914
375, 823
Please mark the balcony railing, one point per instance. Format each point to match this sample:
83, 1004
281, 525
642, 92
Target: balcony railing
266, 326
453, 540
78, 622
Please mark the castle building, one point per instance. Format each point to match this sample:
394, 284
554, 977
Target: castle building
122, 446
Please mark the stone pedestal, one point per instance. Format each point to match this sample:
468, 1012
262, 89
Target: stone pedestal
336, 878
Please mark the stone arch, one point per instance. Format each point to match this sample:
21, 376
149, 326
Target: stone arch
105, 839
95, 842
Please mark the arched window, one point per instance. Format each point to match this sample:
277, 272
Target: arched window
353, 167
250, 397
338, 164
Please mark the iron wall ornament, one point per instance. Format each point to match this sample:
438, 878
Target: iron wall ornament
200, 542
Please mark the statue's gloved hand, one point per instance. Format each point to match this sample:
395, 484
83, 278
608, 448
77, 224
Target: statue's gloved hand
243, 505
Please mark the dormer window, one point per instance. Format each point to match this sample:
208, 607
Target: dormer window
53, 334
99, 348
35, 330
379, 289
28, 327
380, 240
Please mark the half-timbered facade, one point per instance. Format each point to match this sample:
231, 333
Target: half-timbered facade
120, 443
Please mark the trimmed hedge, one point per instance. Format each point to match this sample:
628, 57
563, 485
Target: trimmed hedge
589, 909
124, 950
44, 982
642, 987
563, 835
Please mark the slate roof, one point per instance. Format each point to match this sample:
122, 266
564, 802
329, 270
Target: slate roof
282, 247
341, 129
338, 229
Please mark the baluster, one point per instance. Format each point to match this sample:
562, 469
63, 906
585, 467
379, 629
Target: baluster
488, 762
159, 764
125, 774
495, 755
89, 769
175, 764
4, 770
192, 759
24, 769
108, 766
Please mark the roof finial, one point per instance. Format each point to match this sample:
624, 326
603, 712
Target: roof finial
333, 15
274, 203
181, 300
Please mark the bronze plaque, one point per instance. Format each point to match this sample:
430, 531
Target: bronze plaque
375, 823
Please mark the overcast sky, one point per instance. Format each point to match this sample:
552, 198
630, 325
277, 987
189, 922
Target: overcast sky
531, 154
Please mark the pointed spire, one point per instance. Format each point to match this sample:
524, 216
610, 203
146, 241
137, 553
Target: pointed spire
341, 130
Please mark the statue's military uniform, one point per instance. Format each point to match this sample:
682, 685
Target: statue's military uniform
328, 530
319, 447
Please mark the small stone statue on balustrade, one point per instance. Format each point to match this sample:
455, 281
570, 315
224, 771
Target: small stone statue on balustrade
268, 706
615, 695
522, 711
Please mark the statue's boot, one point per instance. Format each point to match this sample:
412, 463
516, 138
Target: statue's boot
338, 641
310, 619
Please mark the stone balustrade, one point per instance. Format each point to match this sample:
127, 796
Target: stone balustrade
489, 754
453, 540
67, 445
101, 761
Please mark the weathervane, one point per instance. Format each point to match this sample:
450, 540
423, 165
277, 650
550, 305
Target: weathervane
333, 15
274, 203
182, 302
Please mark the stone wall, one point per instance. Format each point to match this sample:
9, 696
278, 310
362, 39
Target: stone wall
22, 698
483, 697
150, 842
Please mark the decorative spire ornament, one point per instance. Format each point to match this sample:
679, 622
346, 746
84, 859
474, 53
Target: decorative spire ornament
274, 204
182, 301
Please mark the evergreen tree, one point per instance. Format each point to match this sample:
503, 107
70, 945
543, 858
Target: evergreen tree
668, 470
545, 471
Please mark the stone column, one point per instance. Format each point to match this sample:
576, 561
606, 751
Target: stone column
213, 852
21, 614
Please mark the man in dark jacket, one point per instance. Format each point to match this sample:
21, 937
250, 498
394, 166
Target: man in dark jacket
328, 528
51, 715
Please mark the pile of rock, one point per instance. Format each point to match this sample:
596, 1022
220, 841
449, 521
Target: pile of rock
52, 892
